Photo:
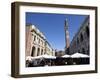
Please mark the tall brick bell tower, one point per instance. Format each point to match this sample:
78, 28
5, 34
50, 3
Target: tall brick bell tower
67, 41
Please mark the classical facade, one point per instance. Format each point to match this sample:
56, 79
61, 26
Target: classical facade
49, 49
36, 43
80, 42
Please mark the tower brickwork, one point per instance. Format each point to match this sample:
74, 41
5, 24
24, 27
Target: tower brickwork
67, 39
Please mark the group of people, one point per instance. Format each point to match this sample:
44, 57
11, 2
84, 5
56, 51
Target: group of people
56, 62
45, 62
38, 62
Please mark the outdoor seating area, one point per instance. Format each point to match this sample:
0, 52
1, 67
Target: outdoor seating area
48, 60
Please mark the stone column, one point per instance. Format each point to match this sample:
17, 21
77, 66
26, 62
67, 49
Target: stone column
35, 53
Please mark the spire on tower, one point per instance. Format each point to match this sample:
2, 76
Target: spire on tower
66, 24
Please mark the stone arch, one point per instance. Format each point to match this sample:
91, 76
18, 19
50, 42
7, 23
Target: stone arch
83, 50
33, 51
77, 40
81, 37
87, 31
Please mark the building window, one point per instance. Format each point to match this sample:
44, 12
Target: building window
32, 35
83, 50
39, 41
78, 51
87, 31
34, 38
81, 37
77, 41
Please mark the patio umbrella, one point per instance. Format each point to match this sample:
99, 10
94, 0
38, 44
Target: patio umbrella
48, 56
78, 55
29, 58
37, 57
66, 59
65, 56
49, 59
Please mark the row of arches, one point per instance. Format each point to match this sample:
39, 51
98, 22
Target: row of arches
81, 38
84, 50
33, 51
81, 42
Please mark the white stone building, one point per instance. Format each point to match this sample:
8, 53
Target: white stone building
36, 43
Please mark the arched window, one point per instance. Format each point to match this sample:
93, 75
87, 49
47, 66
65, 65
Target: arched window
33, 51
87, 31
81, 37
79, 51
34, 38
77, 40
42, 52
83, 50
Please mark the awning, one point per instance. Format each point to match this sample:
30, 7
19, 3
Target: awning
78, 55
65, 56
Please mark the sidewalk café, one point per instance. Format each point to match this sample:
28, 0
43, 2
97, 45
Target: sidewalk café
48, 60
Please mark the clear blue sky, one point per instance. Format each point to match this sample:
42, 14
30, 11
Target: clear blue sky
52, 25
